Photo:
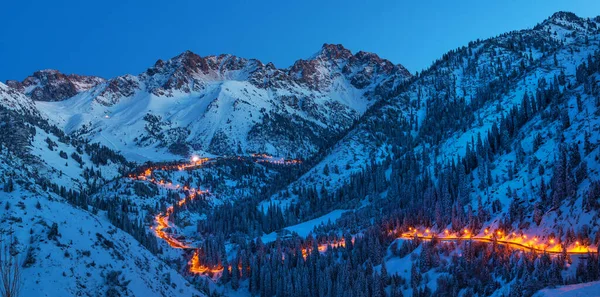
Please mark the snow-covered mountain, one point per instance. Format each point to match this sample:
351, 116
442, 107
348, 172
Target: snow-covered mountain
223, 105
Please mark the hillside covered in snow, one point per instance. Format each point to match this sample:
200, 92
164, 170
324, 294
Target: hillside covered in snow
63, 244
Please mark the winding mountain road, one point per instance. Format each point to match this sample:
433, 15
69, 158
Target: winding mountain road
523, 242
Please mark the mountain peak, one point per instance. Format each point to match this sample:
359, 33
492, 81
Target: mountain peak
186, 62
369, 57
361, 69
187, 57
564, 15
189, 71
571, 25
53, 85
334, 52
47, 72
569, 20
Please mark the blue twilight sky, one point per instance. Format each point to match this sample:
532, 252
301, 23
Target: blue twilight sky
109, 38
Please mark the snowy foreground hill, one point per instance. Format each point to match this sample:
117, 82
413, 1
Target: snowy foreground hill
341, 175
65, 246
587, 289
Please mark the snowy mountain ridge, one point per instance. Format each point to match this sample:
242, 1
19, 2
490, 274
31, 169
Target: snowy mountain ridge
51, 85
227, 105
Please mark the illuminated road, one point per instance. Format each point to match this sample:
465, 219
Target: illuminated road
162, 219
521, 242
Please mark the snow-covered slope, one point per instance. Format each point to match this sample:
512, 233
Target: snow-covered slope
591, 289
46, 220
226, 105
86, 256
14, 100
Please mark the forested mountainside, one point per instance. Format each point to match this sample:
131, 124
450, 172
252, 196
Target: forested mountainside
341, 175
519, 101
500, 134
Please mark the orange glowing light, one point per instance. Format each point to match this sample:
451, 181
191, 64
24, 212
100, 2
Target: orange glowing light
518, 242
322, 247
161, 220
198, 268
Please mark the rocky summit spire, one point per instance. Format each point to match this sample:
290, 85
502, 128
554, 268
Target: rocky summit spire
334, 52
